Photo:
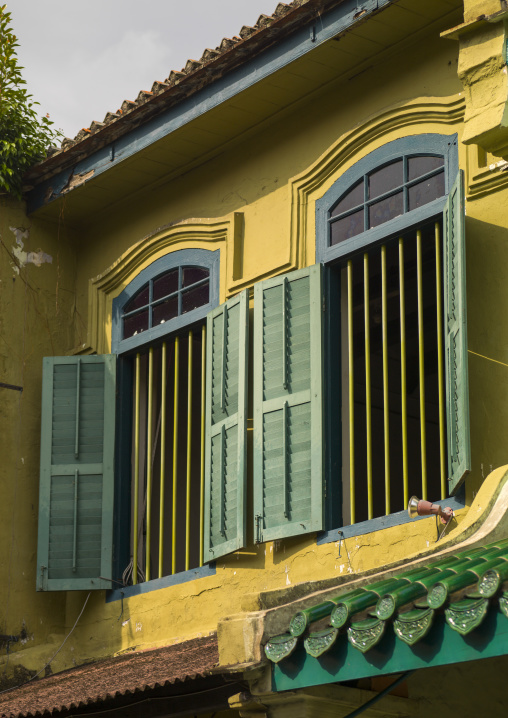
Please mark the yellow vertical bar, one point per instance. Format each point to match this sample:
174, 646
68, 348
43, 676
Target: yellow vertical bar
403, 382
175, 454
440, 361
202, 467
136, 471
149, 439
163, 458
386, 407
189, 437
352, 501
368, 404
421, 361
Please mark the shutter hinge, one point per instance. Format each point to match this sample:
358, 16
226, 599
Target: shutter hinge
257, 519
324, 304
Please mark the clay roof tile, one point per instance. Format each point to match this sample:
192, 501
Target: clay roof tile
124, 675
191, 65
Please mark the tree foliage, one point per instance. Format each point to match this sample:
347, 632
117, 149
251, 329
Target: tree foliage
24, 136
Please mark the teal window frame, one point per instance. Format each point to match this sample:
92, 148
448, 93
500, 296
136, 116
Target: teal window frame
208, 259
204, 258
328, 254
411, 146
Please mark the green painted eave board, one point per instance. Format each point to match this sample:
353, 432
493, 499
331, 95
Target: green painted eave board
442, 646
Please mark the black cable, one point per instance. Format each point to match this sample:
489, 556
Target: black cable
389, 688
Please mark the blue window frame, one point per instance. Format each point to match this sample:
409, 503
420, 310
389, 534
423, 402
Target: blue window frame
165, 288
381, 227
169, 301
353, 197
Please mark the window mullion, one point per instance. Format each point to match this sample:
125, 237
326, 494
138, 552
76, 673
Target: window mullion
365, 200
150, 302
405, 172
180, 282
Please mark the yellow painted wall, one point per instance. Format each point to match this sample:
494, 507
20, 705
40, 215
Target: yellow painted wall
37, 318
263, 179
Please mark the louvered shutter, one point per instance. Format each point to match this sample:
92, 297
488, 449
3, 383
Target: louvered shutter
77, 471
226, 427
288, 423
457, 386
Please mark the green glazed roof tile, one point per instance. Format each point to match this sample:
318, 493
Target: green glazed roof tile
280, 647
464, 616
503, 603
317, 643
413, 625
407, 602
364, 635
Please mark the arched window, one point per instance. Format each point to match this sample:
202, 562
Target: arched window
172, 292
391, 231
398, 185
159, 331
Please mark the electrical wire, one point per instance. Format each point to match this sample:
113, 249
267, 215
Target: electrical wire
378, 697
7, 690
445, 527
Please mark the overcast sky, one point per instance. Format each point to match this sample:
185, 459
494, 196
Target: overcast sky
82, 59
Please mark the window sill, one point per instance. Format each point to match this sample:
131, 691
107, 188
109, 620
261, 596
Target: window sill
157, 583
383, 522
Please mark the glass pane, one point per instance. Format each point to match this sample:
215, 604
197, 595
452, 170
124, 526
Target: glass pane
137, 301
165, 311
166, 284
352, 199
135, 324
426, 191
385, 179
386, 209
347, 227
195, 298
191, 275
417, 166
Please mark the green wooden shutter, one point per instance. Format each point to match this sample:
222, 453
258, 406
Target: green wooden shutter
77, 472
288, 422
457, 386
226, 427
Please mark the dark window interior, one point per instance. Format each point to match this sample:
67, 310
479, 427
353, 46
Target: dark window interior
397, 502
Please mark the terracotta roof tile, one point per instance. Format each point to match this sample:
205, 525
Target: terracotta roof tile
178, 85
191, 66
159, 87
247, 31
113, 677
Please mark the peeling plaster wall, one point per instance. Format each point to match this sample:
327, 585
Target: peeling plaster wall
37, 304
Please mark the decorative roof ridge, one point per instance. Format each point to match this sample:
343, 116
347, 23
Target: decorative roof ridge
486, 518
462, 585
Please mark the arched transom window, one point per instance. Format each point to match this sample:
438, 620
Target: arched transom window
401, 186
167, 296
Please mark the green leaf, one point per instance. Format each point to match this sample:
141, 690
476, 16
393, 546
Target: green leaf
25, 136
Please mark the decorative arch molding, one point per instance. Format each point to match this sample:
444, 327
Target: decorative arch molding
415, 117
211, 234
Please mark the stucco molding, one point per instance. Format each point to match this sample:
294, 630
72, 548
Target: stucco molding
212, 234
484, 180
403, 119
482, 70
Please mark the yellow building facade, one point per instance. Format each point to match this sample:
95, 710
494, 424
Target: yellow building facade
243, 469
